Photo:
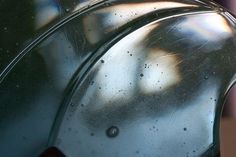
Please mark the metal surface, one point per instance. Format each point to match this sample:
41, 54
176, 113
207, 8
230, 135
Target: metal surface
120, 78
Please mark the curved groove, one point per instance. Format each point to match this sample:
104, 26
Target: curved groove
52, 29
83, 70
46, 34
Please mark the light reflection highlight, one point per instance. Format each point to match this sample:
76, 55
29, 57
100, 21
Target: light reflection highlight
118, 73
46, 11
208, 28
159, 72
111, 18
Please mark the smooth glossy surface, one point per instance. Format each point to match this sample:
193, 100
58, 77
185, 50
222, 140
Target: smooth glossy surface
153, 75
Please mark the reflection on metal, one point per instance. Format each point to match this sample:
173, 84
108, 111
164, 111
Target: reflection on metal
206, 28
46, 11
134, 8
79, 4
115, 16
125, 85
124, 55
160, 71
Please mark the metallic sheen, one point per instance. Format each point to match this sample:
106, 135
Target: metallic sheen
158, 71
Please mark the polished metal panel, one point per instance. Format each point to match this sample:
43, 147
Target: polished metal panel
120, 78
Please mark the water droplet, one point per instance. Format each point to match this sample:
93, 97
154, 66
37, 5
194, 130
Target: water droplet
92, 134
185, 129
5, 28
206, 77
113, 131
141, 75
67, 10
82, 105
92, 82
17, 86
102, 61
137, 152
131, 55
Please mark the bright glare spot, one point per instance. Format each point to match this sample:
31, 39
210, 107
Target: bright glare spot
111, 18
118, 74
208, 27
161, 71
46, 14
